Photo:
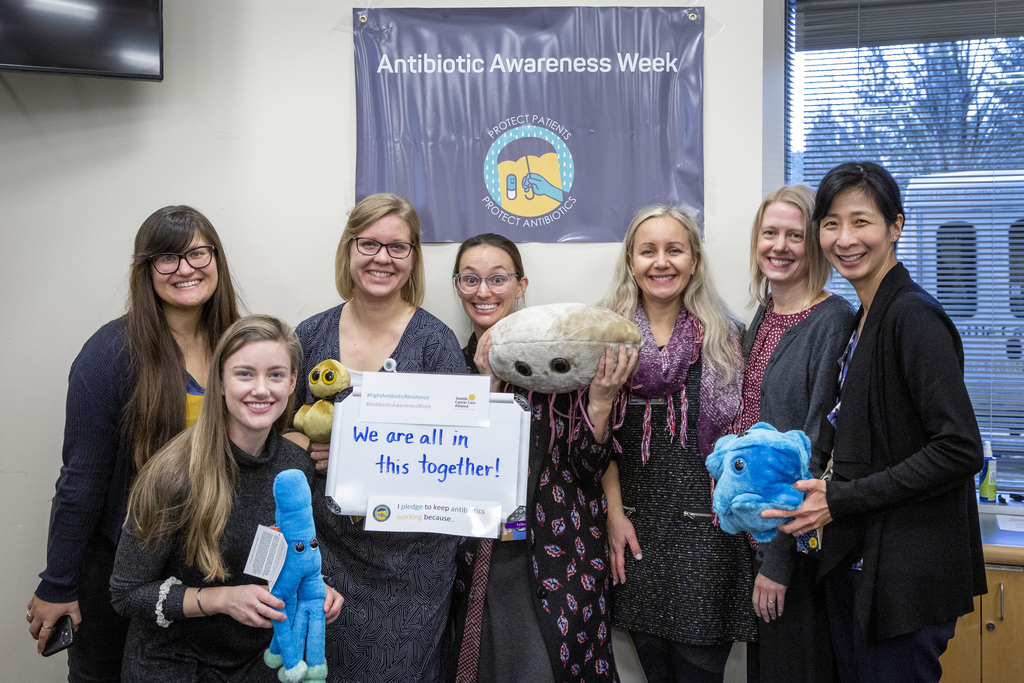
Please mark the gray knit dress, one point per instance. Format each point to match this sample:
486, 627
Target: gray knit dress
694, 582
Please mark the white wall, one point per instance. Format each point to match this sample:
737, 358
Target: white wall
253, 124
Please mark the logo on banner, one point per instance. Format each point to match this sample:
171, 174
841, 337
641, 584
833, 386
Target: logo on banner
529, 171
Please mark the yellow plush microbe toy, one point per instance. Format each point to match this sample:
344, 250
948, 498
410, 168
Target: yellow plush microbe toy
326, 380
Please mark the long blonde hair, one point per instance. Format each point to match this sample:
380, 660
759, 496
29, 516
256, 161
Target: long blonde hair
699, 297
818, 269
188, 484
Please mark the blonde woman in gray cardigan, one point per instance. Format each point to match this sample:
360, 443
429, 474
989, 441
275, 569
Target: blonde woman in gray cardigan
791, 350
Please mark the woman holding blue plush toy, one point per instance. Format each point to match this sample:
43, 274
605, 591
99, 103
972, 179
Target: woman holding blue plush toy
791, 349
901, 554
192, 518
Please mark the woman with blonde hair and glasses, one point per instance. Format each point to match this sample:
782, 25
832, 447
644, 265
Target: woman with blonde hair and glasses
683, 589
134, 385
792, 350
398, 585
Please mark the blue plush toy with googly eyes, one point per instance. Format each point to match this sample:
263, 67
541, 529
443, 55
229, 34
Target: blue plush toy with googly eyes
755, 471
298, 643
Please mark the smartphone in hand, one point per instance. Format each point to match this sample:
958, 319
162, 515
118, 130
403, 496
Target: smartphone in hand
62, 635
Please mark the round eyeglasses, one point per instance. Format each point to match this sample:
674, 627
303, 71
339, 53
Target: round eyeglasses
369, 247
497, 283
198, 257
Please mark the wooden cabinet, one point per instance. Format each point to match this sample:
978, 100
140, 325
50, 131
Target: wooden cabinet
962, 660
1002, 624
989, 642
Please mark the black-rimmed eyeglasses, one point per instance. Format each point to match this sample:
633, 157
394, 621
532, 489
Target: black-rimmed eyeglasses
369, 247
497, 283
198, 257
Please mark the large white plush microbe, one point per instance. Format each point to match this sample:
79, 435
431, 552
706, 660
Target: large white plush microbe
555, 348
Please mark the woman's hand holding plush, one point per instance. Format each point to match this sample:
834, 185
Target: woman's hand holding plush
813, 513
612, 373
250, 604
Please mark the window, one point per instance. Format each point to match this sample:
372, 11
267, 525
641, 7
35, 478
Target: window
956, 257
1016, 264
933, 91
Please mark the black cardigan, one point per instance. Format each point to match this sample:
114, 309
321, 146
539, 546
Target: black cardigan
907, 448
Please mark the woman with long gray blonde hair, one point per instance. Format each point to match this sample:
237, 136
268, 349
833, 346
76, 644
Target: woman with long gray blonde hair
193, 514
685, 597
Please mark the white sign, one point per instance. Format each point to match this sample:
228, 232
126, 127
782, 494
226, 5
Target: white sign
1010, 522
267, 554
425, 399
433, 515
456, 465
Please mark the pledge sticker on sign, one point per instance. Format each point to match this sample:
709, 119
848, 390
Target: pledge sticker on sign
433, 515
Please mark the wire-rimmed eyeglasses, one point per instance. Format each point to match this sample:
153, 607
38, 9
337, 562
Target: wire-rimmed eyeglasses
197, 257
497, 283
368, 246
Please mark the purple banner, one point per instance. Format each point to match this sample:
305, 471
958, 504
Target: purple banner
543, 124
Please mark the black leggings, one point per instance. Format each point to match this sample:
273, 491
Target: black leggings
99, 642
666, 661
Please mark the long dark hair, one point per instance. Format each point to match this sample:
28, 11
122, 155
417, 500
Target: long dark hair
155, 410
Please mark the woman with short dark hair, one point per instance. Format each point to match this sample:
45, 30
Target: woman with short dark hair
901, 546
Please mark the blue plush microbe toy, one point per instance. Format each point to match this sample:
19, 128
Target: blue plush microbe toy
755, 471
298, 643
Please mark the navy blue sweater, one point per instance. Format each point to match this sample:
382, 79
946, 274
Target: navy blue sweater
92, 486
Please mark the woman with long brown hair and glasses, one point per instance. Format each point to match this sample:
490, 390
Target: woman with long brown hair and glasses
135, 384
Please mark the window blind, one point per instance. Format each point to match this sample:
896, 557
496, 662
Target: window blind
934, 91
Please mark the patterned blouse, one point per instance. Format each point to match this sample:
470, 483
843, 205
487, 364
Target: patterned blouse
768, 336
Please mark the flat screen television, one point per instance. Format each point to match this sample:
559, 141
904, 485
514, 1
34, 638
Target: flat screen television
116, 38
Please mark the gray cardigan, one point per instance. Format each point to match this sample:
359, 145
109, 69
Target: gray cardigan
798, 390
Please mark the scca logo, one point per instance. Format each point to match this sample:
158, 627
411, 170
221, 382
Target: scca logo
381, 513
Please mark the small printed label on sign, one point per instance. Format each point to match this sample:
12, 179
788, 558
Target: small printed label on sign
426, 399
433, 515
